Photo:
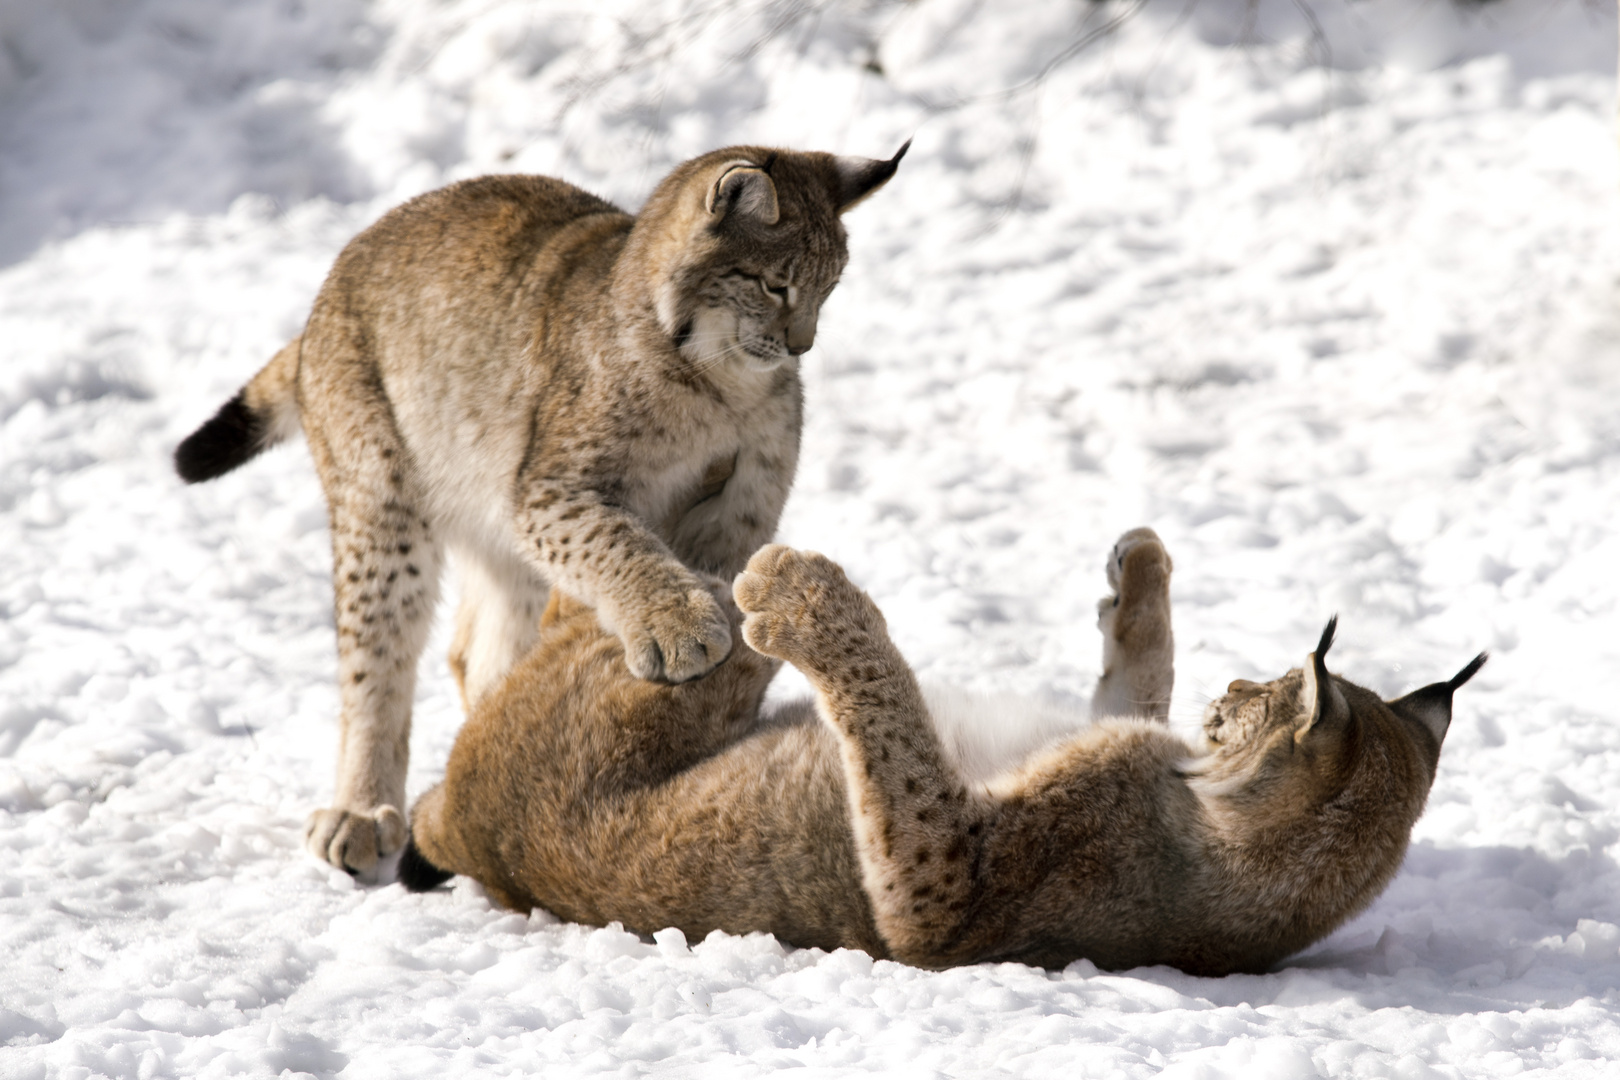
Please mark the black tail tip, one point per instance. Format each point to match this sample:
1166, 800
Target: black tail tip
416, 873
231, 438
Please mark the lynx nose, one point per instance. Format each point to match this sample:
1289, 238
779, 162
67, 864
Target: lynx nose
1237, 686
800, 339
801, 331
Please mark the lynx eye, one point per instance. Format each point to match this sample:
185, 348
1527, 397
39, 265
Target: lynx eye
778, 295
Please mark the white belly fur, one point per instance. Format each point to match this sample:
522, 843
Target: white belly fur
985, 736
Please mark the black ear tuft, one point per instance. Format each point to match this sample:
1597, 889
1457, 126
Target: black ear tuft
1324, 684
1326, 705
860, 177
1431, 705
1469, 671
1325, 642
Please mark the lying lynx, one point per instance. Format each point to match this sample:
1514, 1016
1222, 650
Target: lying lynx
561, 394
581, 790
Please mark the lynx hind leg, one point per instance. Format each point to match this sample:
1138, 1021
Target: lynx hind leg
497, 622
385, 578
1138, 648
385, 581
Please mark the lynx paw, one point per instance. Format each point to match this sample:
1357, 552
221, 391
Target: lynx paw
798, 606
353, 840
1138, 570
682, 638
1138, 647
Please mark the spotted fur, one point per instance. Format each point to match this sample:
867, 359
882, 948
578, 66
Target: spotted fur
562, 395
578, 789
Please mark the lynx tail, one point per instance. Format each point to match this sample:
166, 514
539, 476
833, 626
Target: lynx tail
262, 414
416, 873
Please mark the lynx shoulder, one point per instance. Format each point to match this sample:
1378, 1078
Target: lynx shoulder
886, 825
563, 395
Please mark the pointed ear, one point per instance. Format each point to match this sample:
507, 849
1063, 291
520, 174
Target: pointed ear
1324, 703
859, 177
1431, 706
744, 190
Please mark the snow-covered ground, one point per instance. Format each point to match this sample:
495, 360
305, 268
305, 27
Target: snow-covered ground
1326, 292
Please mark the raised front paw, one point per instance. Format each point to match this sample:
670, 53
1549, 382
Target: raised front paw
1138, 649
353, 840
798, 606
680, 636
1138, 570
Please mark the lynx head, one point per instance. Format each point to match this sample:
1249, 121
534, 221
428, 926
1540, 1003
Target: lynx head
736, 251
1285, 749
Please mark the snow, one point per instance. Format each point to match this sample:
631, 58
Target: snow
1324, 292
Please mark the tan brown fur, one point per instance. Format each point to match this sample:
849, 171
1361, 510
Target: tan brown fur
601, 798
562, 394
570, 735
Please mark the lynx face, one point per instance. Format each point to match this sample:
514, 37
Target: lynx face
1249, 713
764, 248
761, 317
1265, 742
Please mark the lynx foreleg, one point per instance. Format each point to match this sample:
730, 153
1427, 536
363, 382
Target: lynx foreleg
1138, 649
917, 830
605, 556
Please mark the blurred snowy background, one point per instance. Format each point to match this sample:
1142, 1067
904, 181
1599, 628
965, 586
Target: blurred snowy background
1323, 290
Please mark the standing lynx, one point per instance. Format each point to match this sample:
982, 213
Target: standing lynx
562, 395
890, 826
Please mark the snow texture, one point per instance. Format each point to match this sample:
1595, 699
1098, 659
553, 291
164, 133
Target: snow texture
1324, 291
